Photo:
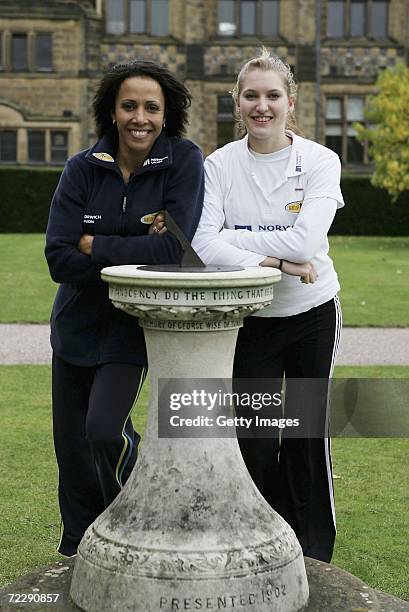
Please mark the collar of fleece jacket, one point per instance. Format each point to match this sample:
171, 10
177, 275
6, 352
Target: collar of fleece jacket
103, 153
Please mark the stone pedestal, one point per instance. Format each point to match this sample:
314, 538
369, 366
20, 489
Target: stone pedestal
189, 531
331, 590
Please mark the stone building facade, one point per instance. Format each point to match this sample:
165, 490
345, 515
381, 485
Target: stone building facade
53, 53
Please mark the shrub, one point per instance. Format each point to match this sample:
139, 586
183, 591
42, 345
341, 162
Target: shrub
369, 211
25, 198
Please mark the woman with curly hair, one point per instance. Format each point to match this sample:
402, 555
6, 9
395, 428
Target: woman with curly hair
101, 215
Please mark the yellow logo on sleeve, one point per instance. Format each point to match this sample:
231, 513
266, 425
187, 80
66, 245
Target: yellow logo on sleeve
104, 157
149, 218
294, 207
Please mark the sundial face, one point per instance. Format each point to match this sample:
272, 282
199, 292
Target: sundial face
190, 269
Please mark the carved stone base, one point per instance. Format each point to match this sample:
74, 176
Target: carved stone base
216, 545
276, 588
331, 590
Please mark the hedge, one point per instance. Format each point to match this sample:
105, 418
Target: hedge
26, 195
368, 211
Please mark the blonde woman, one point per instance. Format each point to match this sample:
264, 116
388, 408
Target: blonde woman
270, 199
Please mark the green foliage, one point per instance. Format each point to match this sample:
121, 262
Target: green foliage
25, 198
388, 131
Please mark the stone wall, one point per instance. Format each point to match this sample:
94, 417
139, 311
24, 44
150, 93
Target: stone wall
194, 51
357, 61
44, 98
170, 55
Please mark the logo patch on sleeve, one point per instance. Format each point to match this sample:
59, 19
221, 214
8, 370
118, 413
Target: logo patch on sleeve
104, 157
294, 207
149, 218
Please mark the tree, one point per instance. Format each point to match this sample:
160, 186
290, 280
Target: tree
387, 131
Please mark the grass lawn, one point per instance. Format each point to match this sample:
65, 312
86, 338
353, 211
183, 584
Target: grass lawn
371, 271
371, 486
26, 289
29, 526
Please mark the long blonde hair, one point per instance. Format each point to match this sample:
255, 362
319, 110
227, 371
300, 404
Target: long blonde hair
265, 61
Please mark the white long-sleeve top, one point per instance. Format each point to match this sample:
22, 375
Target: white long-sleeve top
245, 218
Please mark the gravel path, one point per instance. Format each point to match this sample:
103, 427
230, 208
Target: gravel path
359, 346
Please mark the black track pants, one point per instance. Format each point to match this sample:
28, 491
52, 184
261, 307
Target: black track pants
94, 440
294, 476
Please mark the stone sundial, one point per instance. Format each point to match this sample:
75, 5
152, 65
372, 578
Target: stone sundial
189, 530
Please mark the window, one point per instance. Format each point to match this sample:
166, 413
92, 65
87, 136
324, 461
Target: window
44, 51
59, 146
226, 17
159, 17
225, 120
379, 19
115, 17
247, 17
269, 18
137, 17
36, 146
19, 53
44, 146
55, 142
8, 145
341, 113
357, 25
335, 18
357, 19
27, 52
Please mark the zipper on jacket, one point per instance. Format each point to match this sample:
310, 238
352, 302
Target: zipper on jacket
125, 193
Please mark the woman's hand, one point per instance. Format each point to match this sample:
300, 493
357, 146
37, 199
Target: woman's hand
305, 271
85, 244
158, 226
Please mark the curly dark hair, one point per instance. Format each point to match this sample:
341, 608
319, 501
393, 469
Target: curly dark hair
177, 96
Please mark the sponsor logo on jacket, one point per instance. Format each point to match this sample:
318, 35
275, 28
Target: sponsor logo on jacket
298, 166
273, 228
104, 157
91, 218
154, 160
265, 228
149, 218
294, 207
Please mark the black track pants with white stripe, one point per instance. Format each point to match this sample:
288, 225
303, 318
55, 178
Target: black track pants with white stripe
94, 440
294, 476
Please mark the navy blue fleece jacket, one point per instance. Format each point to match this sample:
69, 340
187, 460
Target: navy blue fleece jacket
92, 198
